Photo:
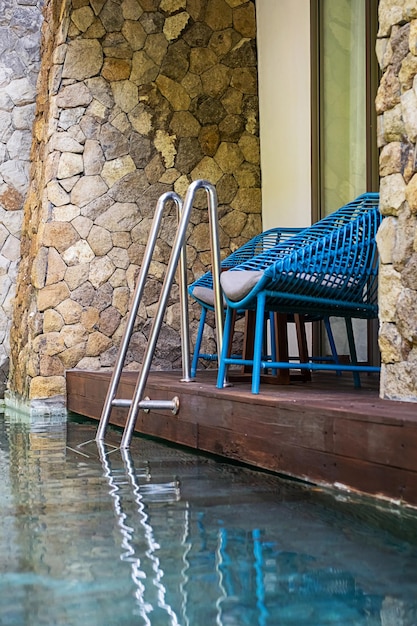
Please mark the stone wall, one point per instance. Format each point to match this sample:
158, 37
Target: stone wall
136, 97
396, 105
20, 24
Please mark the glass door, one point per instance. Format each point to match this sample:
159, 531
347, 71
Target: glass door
345, 156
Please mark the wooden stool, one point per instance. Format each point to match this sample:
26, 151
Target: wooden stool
280, 321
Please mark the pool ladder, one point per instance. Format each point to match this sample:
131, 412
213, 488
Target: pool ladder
178, 256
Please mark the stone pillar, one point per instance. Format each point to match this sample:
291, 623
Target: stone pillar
396, 105
20, 24
137, 97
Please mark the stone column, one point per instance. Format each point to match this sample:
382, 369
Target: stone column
20, 24
137, 97
396, 105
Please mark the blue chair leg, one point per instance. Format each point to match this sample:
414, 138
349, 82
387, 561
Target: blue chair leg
199, 339
258, 344
228, 328
352, 349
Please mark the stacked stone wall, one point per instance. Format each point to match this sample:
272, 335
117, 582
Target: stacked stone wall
396, 105
20, 27
137, 97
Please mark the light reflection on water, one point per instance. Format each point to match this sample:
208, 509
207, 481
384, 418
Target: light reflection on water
92, 535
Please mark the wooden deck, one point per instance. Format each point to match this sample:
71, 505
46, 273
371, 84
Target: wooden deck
323, 431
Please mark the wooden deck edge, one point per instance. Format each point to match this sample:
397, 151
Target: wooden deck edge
325, 445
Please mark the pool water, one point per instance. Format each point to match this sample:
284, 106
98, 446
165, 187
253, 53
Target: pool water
162, 536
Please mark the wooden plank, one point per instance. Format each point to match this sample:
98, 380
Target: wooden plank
168, 427
312, 465
85, 393
390, 445
306, 400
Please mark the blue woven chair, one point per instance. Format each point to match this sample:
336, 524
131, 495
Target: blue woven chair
328, 269
202, 289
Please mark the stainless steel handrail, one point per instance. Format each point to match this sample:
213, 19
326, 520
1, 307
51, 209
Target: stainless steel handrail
137, 296
178, 244
178, 255
185, 326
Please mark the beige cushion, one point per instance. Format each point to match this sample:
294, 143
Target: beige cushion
205, 294
329, 280
237, 285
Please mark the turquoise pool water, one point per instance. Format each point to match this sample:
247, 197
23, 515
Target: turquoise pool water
163, 537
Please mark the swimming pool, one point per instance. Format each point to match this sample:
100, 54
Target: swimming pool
162, 536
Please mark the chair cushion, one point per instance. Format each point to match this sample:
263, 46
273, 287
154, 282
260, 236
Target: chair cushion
331, 281
236, 285
204, 294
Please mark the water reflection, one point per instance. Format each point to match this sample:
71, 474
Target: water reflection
168, 492
30, 454
154, 536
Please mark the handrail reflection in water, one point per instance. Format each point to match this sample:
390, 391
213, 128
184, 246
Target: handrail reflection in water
166, 492
187, 544
221, 538
138, 575
153, 545
223, 563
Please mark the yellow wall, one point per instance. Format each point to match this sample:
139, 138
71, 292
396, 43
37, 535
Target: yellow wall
285, 128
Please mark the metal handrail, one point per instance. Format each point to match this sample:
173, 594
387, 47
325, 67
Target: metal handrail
185, 326
178, 244
137, 296
178, 254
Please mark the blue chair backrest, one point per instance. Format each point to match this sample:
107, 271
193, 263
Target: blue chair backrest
334, 258
254, 247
